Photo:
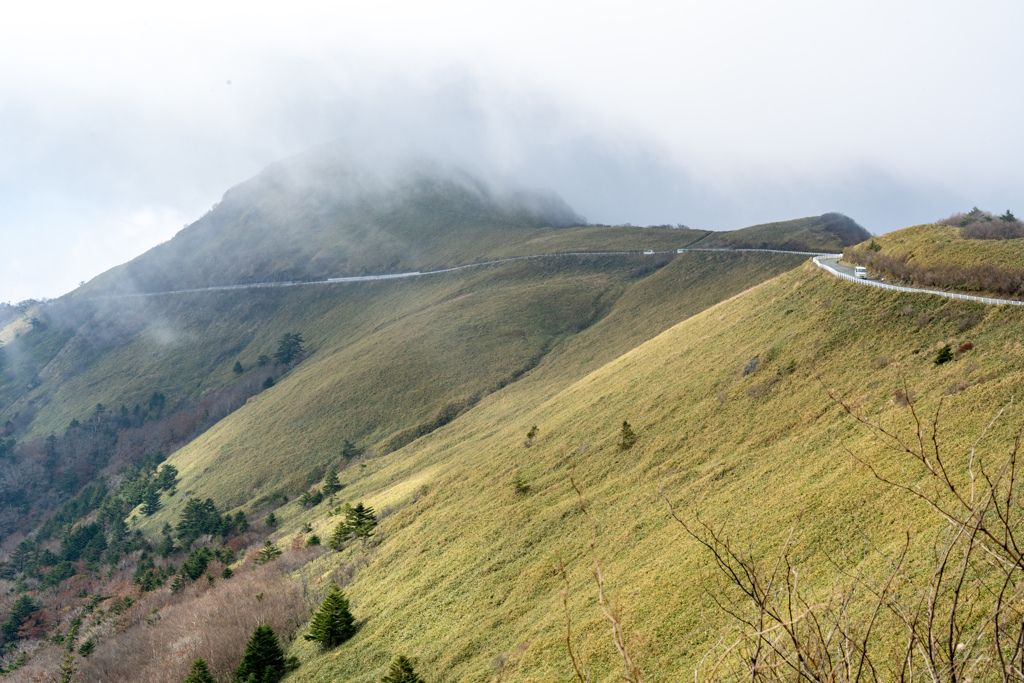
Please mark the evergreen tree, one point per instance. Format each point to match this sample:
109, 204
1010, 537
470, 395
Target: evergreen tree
67, 669
270, 520
263, 661
289, 348
349, 450
944, 356
22, 607
200, 673
167, 477
1008, 217
238, 369
331, 485
151, 500
627, 437
333, 623
268, 382
401, 672
87, 648
268, 553
359, 523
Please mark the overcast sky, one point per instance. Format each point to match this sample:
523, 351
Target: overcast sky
120, 123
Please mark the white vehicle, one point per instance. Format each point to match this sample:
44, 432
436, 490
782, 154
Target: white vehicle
860, 272
648, 252
680, 251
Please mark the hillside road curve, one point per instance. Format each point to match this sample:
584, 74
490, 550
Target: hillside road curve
834, 263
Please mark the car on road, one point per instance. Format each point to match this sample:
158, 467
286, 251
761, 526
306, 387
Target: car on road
860, 272
648, 252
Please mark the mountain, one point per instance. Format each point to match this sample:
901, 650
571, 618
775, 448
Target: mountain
122, 404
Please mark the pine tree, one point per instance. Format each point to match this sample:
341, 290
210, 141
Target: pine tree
270, 520
200, 673
67, 669
263, 661
268, 553
268, 382
151, 500
238, 369
22, 607
1008, 217
944, 356
627, 436
331, 485
87, 648
333, 623
401, 672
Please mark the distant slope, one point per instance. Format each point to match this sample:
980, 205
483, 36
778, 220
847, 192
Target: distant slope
445, 346
829, 232
939, 256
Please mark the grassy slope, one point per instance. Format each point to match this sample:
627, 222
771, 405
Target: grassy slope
937, 245
472, 333
828, 233
467, 572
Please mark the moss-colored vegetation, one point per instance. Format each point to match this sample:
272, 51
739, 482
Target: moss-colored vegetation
467, 574
940, 256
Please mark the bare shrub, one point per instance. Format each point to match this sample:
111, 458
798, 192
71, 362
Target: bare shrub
880, 363
960, 619
722, 397
967, 321
923, 320
756, 390
978, 277
213, 622
966, 346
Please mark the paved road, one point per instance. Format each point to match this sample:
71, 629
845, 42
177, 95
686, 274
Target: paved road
834, 263
417, 273
830, 264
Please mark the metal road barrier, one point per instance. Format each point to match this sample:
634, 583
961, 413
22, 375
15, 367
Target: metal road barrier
897, 288
417, 273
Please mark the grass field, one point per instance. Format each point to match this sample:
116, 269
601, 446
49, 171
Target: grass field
465, 577
939, 245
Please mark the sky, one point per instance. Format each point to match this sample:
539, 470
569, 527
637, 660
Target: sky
120, 123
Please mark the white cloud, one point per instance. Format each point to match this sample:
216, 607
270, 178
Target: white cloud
737, 111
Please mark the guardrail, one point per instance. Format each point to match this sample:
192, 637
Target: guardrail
897, 288
417, 273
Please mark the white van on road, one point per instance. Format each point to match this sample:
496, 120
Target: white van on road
860, 272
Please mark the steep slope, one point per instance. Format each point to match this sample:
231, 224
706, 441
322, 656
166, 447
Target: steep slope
545, 326
464, 573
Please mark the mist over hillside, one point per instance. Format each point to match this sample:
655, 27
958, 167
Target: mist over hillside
324, 213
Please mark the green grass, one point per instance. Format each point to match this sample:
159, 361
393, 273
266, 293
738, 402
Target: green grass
458, 340
939, 245
467, 572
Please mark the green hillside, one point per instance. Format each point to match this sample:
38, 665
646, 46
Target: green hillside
829, 232
466, 573
943, 256
429, 385
463, 572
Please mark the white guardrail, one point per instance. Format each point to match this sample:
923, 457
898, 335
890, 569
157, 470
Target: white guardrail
897, 288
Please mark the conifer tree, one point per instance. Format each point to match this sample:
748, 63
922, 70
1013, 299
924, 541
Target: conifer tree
331, 485
263, 661
151, 500
627, 437
268, 553
200, 673
333, 623
402, 672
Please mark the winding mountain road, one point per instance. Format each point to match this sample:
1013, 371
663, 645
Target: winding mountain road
828, 262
